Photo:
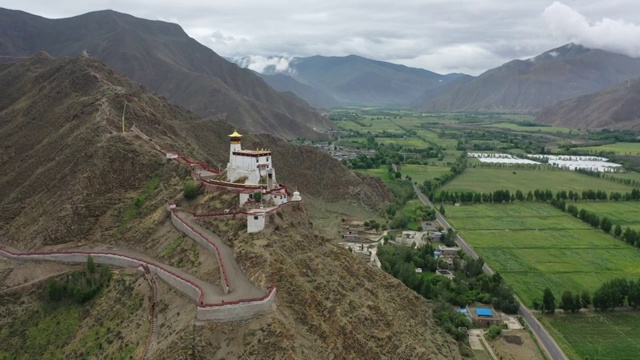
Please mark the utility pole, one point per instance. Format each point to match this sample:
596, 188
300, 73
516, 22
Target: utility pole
124, 109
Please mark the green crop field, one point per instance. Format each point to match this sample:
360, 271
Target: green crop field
620, 213
420, 173
597, 335
535, 246
546, 129
429, 135
517, 117
633, 175
382, 172
617, 148
404, 142
481, 179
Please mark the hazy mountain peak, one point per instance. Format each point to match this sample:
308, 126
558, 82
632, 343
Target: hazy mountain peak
350, 79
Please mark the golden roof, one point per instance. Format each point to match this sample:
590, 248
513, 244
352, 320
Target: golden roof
235, 135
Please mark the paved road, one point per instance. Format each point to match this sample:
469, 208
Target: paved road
551, 348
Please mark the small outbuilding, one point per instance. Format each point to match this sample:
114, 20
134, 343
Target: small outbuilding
484, 316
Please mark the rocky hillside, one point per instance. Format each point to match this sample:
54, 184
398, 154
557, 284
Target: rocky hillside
164, 58
617, 107
536, 83
71, 178
326, 309
61, 125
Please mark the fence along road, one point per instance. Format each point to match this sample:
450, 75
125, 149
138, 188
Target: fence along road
548, 344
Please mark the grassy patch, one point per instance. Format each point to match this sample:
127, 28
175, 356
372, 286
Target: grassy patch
171, 248
42, 334
139, 201
482, 179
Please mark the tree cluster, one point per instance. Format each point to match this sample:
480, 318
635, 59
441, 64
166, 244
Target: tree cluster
191, 190
429, 186
617, 292
469, 286
81, 286
537, 195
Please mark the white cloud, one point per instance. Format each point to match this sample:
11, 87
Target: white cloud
569, 25
465, 58
261, 64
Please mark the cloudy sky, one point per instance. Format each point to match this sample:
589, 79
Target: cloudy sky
445, 36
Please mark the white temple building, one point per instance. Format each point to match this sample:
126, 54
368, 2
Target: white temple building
254, 167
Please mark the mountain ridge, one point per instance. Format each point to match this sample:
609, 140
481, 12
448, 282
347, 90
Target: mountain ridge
530, 85
164, 58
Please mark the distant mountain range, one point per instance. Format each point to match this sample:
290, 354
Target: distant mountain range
531, 85
617, 107
354, 80
313, 96
163, 57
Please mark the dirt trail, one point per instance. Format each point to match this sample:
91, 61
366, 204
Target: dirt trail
17, 287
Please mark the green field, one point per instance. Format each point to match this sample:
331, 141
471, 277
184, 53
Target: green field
382, 172
378, 124
620, 213
536, 246
617, 148
547, 129
404, 142
418, 173
597, 335
633, 175
481, 179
